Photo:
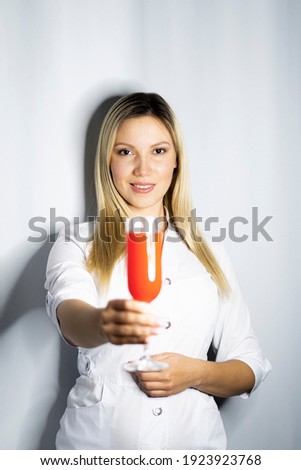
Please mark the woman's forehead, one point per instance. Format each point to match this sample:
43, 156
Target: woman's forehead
143, 128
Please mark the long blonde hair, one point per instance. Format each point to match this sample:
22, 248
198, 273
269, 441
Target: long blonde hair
108, 245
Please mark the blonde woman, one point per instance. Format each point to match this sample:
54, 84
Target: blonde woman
141, 170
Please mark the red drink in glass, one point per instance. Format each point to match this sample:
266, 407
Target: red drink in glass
144, 249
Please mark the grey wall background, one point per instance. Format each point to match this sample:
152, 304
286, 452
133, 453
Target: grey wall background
231, 70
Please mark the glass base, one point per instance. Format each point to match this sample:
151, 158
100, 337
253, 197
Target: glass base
145, 365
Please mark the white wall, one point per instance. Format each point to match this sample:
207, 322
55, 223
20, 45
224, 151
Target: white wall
231, 70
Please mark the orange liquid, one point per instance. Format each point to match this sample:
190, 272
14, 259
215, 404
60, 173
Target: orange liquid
140, 286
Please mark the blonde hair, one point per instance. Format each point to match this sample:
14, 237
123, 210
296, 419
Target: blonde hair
108, 245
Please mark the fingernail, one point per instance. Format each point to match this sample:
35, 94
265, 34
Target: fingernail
155, 331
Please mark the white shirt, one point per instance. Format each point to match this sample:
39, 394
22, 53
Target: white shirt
106, 409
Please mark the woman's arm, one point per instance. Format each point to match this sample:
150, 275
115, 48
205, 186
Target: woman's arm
222, 379
225, 379
120, 322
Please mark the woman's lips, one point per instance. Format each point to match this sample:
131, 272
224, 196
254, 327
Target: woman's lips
142, 187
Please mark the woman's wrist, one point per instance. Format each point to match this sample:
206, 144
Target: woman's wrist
197, 374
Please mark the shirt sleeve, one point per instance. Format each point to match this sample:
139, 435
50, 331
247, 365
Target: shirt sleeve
66, 275
234, 337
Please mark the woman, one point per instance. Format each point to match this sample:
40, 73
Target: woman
141, 170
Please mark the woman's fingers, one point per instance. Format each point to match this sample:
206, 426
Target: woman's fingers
129, 330
129, 321
129, 305
157, 386
129, 312
121, 317
119, 340
174, 379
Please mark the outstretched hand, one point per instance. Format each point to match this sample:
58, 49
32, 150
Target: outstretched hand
128, 322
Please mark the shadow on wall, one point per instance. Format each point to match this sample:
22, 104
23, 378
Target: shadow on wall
24, 321
90, 151
28, 293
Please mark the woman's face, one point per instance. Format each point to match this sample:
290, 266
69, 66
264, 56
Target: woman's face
142, 164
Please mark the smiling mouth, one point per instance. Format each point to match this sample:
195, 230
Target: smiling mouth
142, 188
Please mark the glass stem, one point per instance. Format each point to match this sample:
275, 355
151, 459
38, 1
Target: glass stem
147, 354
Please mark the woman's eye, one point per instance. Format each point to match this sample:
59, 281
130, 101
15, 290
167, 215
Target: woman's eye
159, 151
124, 152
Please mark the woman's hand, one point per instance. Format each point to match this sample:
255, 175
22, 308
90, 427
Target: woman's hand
176, 378
128, 322
221, 379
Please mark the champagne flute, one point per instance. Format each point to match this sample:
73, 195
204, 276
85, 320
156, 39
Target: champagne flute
144, 244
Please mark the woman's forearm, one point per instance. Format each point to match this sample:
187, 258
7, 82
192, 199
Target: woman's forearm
122, 321
80, 323
222, 379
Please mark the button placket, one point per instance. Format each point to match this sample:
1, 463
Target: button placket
166, 324
85, 364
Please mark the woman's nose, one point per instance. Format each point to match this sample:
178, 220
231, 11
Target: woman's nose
142, 167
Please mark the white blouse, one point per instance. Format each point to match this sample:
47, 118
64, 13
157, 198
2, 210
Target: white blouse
106, 409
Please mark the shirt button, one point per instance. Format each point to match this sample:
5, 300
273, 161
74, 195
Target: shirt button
167, 281
166, 324
157, 411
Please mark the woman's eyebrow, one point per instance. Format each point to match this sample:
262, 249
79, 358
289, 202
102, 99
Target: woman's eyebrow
163, 142
123, 143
